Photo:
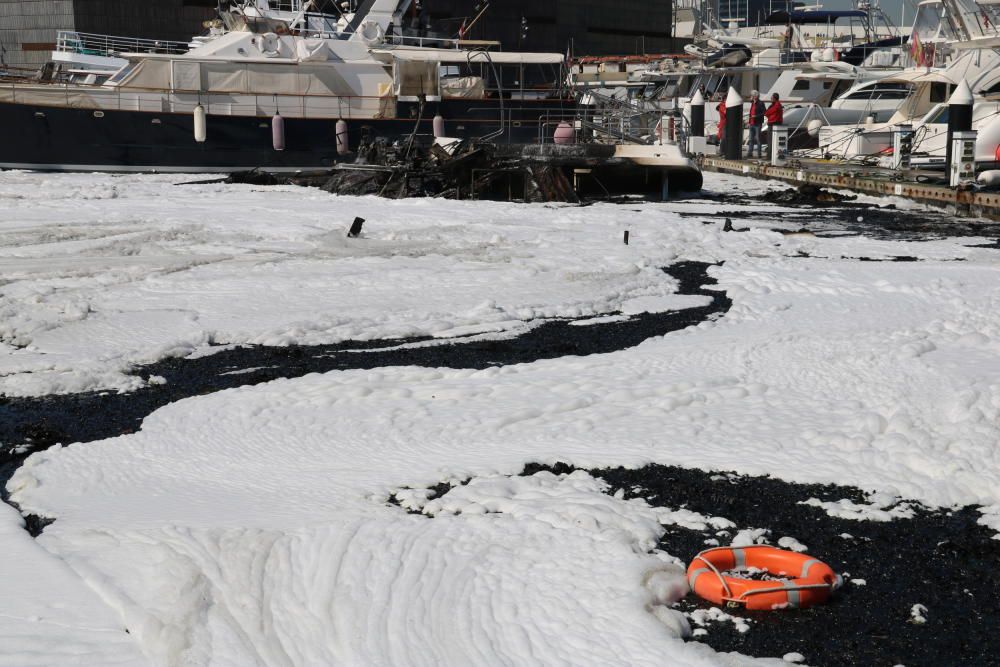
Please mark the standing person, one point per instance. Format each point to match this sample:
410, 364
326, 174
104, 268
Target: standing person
755, 123
721, 131
775, 115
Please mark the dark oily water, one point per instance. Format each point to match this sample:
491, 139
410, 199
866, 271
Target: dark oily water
31, 424
831, 213
941, 559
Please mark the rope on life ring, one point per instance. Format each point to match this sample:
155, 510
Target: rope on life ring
810, 581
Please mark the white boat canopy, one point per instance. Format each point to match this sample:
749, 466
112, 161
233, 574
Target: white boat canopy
913, 76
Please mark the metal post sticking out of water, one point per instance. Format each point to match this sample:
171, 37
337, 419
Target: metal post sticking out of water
626, 237
959, 116
734, 125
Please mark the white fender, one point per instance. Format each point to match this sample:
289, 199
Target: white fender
200, 124
989, 179
278, 132
343, 147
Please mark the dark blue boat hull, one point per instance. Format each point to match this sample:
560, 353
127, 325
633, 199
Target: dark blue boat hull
74, 139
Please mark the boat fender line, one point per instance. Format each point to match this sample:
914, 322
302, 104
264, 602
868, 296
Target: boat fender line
811, 581
200, 124
278, 132
343, 144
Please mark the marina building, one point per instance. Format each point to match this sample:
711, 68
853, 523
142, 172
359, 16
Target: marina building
28, 28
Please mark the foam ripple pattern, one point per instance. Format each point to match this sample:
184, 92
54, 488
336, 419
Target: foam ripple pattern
291, 523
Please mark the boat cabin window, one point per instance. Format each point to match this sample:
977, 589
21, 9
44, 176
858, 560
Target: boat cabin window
802, 84
927, 23
989, 15
320, 25
940, 92
482, 78
284, 5
714, 83
670, 88
120, 75
882, 91
992, 90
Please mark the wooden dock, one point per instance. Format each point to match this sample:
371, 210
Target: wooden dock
873, 181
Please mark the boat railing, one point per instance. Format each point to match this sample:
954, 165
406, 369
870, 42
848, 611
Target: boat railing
417, 40
329, 26
592, 125
85, 43
101, 98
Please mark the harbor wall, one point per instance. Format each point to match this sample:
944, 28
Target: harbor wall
28, 27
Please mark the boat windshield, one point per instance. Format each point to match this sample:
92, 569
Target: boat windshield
120, 75
927, 25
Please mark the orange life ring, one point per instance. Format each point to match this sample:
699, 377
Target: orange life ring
810, 581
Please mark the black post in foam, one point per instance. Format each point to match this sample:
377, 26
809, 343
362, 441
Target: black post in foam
697, 115
355, 230
733, 136
959, 117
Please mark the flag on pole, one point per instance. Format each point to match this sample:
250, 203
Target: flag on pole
916, 51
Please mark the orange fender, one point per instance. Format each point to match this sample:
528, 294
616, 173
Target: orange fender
809, 581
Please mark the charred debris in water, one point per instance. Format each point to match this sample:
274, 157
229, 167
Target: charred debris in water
475, 169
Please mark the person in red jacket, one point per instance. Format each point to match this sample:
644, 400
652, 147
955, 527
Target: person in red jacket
721, 132
775, 113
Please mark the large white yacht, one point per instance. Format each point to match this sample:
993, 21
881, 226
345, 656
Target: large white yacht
952, 41
806, 56
278, 86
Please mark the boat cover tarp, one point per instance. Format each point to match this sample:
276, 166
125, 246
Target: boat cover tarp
415, 77
468, 87
255, 78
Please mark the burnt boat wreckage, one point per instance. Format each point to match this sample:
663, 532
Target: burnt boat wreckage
291, 90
